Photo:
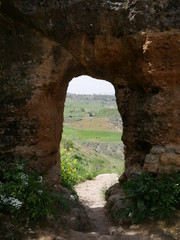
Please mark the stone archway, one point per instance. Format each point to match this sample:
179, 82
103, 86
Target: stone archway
132, 44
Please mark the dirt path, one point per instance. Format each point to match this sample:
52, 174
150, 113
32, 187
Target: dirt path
92, 195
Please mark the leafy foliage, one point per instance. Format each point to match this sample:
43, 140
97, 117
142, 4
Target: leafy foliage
72, 169
22, 194
69, 176
152, 197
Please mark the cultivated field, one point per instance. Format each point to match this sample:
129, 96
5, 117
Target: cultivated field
93, 125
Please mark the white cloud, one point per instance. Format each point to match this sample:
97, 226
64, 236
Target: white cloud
89, 85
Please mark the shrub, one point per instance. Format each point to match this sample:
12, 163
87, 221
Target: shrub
149, 196
69, 176
61, 204
22, 194
68, 144
74, 168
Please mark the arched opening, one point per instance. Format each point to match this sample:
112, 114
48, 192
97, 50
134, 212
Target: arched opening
45, 45
91, 145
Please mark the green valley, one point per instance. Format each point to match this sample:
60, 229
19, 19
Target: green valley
93, 130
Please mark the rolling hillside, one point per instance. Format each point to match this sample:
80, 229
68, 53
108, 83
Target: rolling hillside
93, 124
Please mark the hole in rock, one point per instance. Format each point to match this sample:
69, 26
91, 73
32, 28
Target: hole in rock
144, 148
91, 148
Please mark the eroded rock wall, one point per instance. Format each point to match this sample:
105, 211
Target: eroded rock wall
133, 44
149, 105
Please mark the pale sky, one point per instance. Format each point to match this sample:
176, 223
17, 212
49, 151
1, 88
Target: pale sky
89, 85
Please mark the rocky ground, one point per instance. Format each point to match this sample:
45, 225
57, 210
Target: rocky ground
92, 194
99, 226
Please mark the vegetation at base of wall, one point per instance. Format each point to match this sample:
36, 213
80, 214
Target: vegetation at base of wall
78, 164
150, 197
22, 194
23, 197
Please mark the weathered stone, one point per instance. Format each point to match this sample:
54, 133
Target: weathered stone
151, 159
116, 231
151, 167
132, 44
170, 159
151, 163
173, 148
168, 169
157, 150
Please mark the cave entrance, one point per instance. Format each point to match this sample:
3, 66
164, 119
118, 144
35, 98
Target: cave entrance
92, 131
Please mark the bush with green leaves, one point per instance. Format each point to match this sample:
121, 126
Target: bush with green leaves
150, 197
69, 173
22, 194
74, 168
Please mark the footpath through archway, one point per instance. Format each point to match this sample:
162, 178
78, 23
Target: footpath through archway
90, 120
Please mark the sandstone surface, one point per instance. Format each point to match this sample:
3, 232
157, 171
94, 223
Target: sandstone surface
133, 44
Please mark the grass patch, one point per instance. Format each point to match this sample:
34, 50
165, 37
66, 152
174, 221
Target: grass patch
103, 124
108, 112
91, 135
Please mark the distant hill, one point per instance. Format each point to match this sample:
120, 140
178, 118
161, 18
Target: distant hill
94, 107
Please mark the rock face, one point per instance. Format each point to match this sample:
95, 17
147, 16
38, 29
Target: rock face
133, 44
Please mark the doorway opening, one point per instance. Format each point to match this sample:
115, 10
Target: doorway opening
91, 146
